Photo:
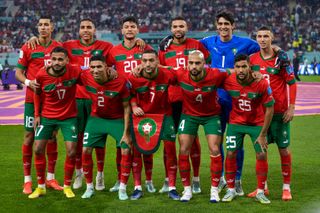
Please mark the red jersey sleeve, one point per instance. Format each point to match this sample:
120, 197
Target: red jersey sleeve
23, 58
267, 98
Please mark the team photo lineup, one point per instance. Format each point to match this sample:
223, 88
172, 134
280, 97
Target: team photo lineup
90, 89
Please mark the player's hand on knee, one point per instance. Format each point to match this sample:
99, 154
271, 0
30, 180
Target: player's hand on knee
262, 141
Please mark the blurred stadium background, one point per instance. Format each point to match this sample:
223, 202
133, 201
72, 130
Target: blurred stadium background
296, 23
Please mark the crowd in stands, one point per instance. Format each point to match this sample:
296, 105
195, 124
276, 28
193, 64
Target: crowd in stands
296, 28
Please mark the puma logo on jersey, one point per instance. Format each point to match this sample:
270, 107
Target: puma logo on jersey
179, 53
243, 95
130, 57
100, 92
197, 89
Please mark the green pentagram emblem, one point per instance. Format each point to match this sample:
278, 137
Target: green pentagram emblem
147, 128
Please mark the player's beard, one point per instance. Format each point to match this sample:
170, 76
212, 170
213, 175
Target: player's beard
181, 36
58, 71
195, 72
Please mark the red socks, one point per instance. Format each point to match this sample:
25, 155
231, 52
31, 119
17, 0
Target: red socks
261, 172
118, 161
148, 165
286, 168
136, 167
40, 163
184, 168
52, 153
126, 163
216, 169
26, 159
231, 169
171, 162
195, 155
79, 151
87, 166
69, 167
100, 155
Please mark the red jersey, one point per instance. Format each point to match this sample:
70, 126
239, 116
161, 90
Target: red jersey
31, 61
58, 93
80, 55
107, 98
177, 56
278, 79
200, 97
248, 101
125, 59
152, 94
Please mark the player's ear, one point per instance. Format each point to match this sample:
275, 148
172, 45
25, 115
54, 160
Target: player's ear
52, 27
233, 26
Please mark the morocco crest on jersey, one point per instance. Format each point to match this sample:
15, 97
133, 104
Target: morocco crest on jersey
146, 132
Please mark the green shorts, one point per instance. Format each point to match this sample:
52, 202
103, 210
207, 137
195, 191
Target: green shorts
168, 131
29, 117
279, 132
69, 129
190, 124
236, 133
98, 129
84, 110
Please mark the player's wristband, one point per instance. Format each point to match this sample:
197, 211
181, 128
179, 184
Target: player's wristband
27, 82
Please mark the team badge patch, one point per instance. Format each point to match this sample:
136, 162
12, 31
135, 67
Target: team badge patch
146, 132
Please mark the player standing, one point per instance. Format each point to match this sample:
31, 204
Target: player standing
125, 57
79, 52
200, 107
30, 62
56, 99
176, 55
109, 115
249, 97
279, 78
150, 95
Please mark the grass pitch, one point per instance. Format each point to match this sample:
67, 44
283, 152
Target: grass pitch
305, 186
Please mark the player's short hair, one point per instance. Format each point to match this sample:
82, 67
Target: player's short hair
265, 28
46, 17
60, 50
177, 18
241, 57
98, 58
226, 15
197, 52
150, 51
130, 19
88, 19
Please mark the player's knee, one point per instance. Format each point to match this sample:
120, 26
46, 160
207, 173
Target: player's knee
28, 138
284, 151
87, 150
261, 156
39, 150
71, 153
231, 154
